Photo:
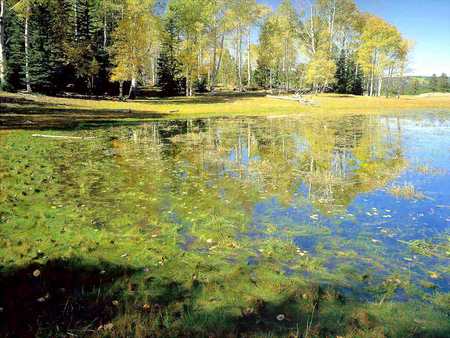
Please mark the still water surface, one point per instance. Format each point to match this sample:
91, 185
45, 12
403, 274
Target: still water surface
354, 201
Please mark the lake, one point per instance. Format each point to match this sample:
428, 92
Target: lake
359, 204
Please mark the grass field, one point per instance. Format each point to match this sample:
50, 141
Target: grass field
217, 105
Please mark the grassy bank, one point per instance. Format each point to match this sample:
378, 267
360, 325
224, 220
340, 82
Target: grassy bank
218, 105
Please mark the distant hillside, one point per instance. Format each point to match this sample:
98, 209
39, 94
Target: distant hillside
415, 85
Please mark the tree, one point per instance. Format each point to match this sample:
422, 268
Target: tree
192, 17
341, 85
133, 40
434, 83
320, 72
355, 77
415, 86
243, 14
88, 46
287, 20
270, 48
23, 9
169, 70
44, 41
443, 83
2, 44
381, 48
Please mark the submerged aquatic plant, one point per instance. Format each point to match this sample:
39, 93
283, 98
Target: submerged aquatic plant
429, 249
406, 191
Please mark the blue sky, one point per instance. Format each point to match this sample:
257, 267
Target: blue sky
426, 22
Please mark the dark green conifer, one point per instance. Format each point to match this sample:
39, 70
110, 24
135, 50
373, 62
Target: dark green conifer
170, 79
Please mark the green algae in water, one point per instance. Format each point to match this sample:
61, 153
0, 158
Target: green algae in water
238, 220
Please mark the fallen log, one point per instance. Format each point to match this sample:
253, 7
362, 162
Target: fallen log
289, 98
300, 100
61, 137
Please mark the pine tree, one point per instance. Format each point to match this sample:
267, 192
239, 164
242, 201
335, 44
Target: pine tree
14, 52
261, 75
341, 84
415, 86
443, 83
50, 71
358, 80
355, 78
40, 64
434, 83
169, 71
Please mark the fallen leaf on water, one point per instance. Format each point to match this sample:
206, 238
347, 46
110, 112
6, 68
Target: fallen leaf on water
434, 275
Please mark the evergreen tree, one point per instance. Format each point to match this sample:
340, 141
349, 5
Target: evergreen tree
14, 52
40, 51
342, 80
443, 83
262, 75
50, 67
355, 78
415, 87
169, 71
434, 83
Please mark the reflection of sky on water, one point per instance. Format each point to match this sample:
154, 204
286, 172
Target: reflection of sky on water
377, 217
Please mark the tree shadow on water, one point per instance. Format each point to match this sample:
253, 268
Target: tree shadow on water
38, 118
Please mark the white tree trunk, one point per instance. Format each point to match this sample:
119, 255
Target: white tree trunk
154, 61
313, 41
2, 45
249, 64
372, 76
133, 86
239, 58
187, 85
27, 51
380, 82
371, 84
120, 88
216, 67
331, 24
286, 65
105, 32
75, 12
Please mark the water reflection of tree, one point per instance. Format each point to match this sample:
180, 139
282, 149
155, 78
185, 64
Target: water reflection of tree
335, 160
221, 167
351, 156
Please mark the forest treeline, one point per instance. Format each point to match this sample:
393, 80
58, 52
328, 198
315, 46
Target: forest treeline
187, 46
414, 85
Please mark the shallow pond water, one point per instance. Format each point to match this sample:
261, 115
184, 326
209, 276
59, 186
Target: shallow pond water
359, 202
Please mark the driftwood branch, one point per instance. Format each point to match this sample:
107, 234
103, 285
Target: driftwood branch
61, 137
299, 99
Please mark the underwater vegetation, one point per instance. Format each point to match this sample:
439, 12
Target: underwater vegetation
407, 191
247, 227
